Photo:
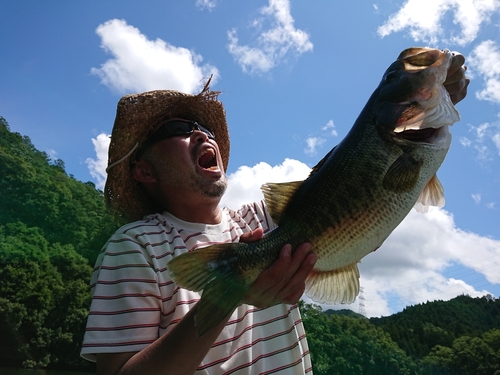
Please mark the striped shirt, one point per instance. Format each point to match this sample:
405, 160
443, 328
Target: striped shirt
135, 301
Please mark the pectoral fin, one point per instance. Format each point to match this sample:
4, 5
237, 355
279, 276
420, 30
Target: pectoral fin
403, 174
277, 196
333, 287
432, 195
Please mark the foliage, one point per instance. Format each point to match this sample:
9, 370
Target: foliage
39, 193
467, 355
340, 344
52, 227
51, 230
44, 302
418, 329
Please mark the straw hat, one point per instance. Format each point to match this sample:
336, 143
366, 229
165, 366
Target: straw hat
138, 116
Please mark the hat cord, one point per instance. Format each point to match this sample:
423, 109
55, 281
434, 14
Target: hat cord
122, 159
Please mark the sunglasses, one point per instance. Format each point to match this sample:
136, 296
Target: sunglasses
174, 128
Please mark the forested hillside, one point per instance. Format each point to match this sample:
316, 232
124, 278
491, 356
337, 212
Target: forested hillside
51, 230
53, 226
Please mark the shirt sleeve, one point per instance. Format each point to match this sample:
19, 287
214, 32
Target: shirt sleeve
125, 311
256, 215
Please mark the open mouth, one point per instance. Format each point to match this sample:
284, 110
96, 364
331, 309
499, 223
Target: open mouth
421, 135
207, 160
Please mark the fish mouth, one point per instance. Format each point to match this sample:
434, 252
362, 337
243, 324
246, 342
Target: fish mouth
208, 160
426, 135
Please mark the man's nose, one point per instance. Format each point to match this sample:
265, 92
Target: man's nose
199, 136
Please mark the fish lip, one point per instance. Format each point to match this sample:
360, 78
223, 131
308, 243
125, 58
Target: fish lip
420, 58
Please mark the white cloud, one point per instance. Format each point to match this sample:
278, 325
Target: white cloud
330, 126
206, 4
244, 184
139, 64
423, 19
272, 45
496, 141
464, 141
476, 198
410, 266
97, 167
484, 59
411, 262
312, 144
52, 153
486, 141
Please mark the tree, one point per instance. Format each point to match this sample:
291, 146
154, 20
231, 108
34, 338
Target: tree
44, 300
344, 345
468, 355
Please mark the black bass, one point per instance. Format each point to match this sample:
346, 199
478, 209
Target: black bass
352, 200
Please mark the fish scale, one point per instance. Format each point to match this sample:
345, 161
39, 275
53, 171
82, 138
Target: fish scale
352, 200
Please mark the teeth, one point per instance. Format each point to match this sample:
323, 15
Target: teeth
207, 159
209, 151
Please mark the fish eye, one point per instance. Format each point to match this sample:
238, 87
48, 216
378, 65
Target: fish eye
391, 76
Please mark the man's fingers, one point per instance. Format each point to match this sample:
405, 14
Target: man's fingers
258, 294
284, 281
297, 280
294, 276
295, 287
456, 82
458, 90
456, 71
252, 236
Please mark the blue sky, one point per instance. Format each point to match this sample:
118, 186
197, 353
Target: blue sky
294, 75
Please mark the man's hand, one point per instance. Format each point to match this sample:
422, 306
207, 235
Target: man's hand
456, 82
284, 281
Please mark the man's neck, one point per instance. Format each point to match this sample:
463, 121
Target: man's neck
201, 210
198, 215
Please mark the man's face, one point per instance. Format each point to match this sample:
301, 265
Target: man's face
190, 163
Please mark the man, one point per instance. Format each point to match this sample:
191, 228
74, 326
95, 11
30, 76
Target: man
166, 174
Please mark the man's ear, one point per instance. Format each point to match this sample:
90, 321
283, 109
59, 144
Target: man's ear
143, 172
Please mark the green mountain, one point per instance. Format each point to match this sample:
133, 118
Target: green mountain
52, 227
51, 230
418, 329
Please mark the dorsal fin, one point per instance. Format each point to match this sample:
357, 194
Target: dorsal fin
277, 196
432, 195
321, 162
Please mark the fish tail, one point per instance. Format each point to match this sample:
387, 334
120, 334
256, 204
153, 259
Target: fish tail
216, 271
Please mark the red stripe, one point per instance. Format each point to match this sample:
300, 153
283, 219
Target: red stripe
127, 252
121, 328
133, 265
126, 295
245, 347
263, 356
161, 231
118, 281
127, 311
112, 344
248, 328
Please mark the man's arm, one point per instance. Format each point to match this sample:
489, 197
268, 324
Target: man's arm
180, 350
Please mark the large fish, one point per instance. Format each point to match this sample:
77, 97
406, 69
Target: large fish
352, 200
